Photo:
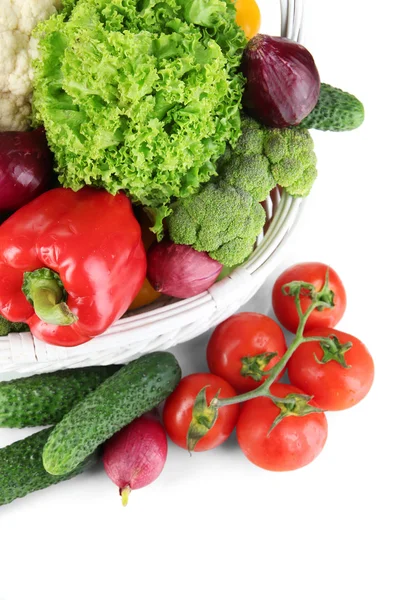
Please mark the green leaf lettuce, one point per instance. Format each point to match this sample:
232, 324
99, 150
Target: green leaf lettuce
139, 95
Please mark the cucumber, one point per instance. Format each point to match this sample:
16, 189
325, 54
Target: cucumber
335, 111
45, 399
22, 471
137, 388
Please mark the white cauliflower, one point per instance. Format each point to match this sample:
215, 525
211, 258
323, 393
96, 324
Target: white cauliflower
18, 18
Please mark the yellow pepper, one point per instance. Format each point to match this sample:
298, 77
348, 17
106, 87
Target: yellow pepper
248, 17
147, 295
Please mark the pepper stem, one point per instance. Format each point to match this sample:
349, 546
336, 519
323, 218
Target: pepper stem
43, 288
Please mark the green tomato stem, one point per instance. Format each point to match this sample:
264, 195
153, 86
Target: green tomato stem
264, 388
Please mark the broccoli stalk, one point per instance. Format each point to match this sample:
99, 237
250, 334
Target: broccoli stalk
226, 216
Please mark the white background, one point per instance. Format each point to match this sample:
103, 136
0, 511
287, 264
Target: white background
215, 526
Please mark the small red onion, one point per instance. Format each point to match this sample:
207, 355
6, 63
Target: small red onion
180, 271
26, 167
283, 83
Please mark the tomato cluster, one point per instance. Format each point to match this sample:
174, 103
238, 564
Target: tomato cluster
286, 427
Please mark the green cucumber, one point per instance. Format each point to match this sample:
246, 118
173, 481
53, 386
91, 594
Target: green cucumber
335, 111
137, 388
22, 471
45, 399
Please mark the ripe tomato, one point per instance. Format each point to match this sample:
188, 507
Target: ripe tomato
248, 17
292, 444
240, 349
178, 408
315, 273
333, 386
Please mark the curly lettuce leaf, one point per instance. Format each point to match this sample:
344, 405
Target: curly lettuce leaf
140, 95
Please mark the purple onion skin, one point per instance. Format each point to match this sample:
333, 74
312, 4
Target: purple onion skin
26, 167
180, 271
283, 82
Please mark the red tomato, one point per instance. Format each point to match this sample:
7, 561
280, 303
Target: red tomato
333, 386
315, 273
242, 336
292, 444
178, 408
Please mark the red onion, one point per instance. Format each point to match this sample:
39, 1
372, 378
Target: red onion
26, 167
283, 83
180, 271
135, 456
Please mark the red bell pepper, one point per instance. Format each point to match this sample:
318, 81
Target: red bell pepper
70, 264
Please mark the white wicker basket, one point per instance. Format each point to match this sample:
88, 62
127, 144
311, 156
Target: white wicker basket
169, 322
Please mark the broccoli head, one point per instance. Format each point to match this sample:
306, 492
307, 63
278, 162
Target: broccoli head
251, 173
221, 220
7, 327
292, 158
252, 139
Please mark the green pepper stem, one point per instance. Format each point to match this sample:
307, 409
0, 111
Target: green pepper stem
44, 290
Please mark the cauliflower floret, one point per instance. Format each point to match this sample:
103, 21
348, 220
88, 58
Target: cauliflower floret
18, 18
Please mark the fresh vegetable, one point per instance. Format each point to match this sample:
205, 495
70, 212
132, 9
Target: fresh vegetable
300, 405
135, 456
21, 468
335, 111
224, 220
220, 220
244, 348
248, 17
18, 48
325, 281
293, 160
44, 399
144, 99
180, 271
283, 83
135, 389
26, 167
249, 173
186, 414
147, 294
80, 261
7, 327
225, 217
293, 443
336, 369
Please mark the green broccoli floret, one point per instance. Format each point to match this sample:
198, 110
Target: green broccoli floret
292, 157
251, 173
252, 139
226, 216
7, 327
221, 220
